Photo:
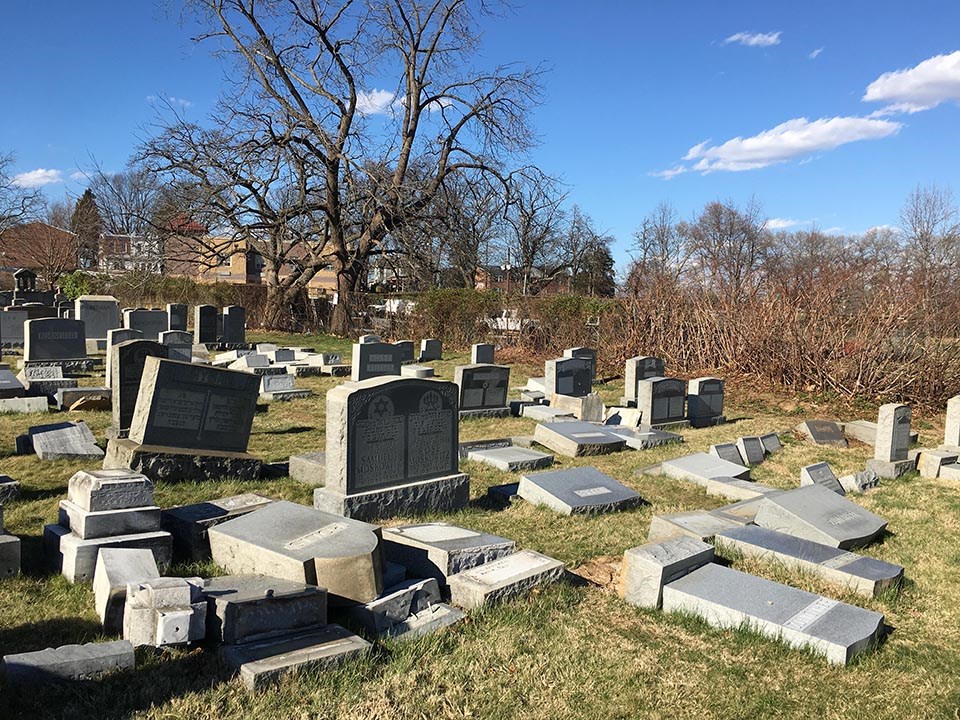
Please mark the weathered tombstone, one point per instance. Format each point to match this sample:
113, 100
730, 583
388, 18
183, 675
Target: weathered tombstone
179, 344
929, 462
372, 359
189, 524
568, 376
817, 514
865, 576
583, 352
502, 579
204, 324
662, 401
588, 407
68, 662
127, 360
705, 402
45, 380
234, 325
430, 349
99, 313
150, 322
736, 490
646, 569
190, 422
577, 491
699, 467
820, 474
822, 432
575, 438
176, 316
482, 354
65, 441
637, 369
438, 550
116, 568
392, 449
644, 437
11, 327
728, 598
115, 337
771, 443
483, 390
698, 524
890, 458
56, 341
510, 459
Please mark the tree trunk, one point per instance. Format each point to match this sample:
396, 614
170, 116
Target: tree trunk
348, 280
275, 315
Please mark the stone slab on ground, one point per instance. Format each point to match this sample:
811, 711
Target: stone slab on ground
821, 474
439, 550
929, 462
160, 462
727, 598
90, 525
742, 512
68, 662
577, 438
9, 490
24, 405
866, 432
644, 437
698, 524
859, 482
396, 605
115, 569
512, 459
416, 371
189, 524
577, 491
263, 663
65, 441
245, 608
425, 622
545, 413
647, 568
728, 452
76, 558
863, 575
502, 579
444, 494
699, 467
465, 448
814, 513
301, 544
822, 432
737, 490
309, 468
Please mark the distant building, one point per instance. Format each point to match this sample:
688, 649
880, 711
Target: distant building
123, 253
500, 279
49, 251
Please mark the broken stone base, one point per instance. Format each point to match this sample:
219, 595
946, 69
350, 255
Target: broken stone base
891, 470
444, 494
76, 559
500, 412
69, 662
172, 464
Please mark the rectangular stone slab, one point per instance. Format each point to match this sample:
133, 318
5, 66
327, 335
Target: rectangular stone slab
737, 490
771, 443
396, 604
699, 467
99, 490
76, 558
263, 663
865, 576
647, 568
425, 622
68, 662
512, 459
727, 451
814, 513
727, 598
438, 550
698, 524
189, 524
751, 449
644, 437
106, 523
821, 474
577, 491
65, 441
822, 432
577, 438
502, 579
9, 556
244, 608
116, 568
545, 413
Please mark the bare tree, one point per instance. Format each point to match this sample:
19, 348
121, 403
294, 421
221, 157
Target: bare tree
930, 223
59, 213
18, 204
660, 252
380, 156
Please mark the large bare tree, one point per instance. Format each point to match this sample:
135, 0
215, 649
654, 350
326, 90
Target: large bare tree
378, 157
18, 204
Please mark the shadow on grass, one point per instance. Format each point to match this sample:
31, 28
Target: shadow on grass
48, 633
296, 430
44, 494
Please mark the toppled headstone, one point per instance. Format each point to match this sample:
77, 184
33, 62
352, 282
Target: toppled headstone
577, 491
45, 380
545, 413
822, 432
297, 543
164, 611
65, 441
821, 474
388, 613
24, 405
751, 449
66, 398
116, 569
438, 550
817, 514
10, 386
647, 568
281, 387
309, 468
68, 662
9, 489
644, 437
589, 407
727, 598
502, 579
699, 467
734, 489
930, 461
890, 458
698, 524
866, 576
189, 524
727, 451
576, 438
866, 432
416, 371
771, 443
511, 459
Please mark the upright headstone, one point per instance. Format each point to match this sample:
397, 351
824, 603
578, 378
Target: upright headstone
705, 402
430, 349
99, 313
127, 360
179, 344
373, 359
234, 325
190, 422
405, 347
637, 369
150, 322
115, 337
11, 326
176, 316
483, 390
583, 352
204, 324
568, 376
482, 354
369, 338
890, 458
53, 340
661, 401
392, 449
951, 431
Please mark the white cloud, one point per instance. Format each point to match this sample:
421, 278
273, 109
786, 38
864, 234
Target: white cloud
376, 102
669, 173
79, 176
169, 100
784, 223
793, 139
38, 178
754, 39
815, 53
933, 81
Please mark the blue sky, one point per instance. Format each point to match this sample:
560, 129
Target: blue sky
827, 112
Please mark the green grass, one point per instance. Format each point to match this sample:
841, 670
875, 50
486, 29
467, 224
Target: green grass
568, 651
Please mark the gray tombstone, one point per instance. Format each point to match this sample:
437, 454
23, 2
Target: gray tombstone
177, 316
99, 313
234, 324
115, 337
636, 369
646, 569
751, 449
405, 348
705, 401
430, 349
392, 448
577, 491
372, 359
583, 352
575, 438
204, 324
11, 326
951, 430
438, 550
54, 339
890, 458
661, 401
482, 354
179, 344
568, 376
728, 452
127, 361
10, 386
820, 474
483, 389
150, 322
822, 432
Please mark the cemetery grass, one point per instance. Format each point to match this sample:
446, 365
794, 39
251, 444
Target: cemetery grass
573, 650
